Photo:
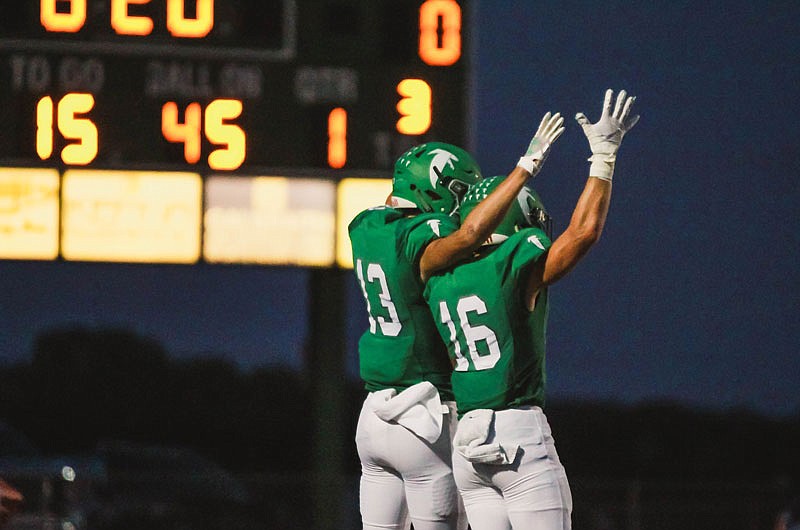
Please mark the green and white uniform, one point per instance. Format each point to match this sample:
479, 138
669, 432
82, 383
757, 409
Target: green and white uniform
496, 344
402, 472
401, 346
504, 460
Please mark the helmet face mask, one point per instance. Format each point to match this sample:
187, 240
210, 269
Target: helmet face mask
433, 177
457, 188
534, 211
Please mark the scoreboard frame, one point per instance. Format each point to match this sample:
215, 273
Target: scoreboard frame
344, 84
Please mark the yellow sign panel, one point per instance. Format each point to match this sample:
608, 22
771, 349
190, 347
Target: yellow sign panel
131, 216
355, 195
269, 220
28, 213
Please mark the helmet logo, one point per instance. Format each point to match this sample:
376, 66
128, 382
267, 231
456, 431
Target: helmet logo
441, 158
524, 199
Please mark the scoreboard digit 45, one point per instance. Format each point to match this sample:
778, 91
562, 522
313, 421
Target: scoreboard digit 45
229, 85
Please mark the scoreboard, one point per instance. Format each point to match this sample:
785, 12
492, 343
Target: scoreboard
228, 85
227, 131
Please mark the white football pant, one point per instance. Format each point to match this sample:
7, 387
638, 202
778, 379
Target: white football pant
530, 493
405, 479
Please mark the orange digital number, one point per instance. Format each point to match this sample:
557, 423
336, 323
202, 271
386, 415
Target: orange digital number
44, 128
431, 50
187, 132
72, 20
337, 138
65, 21
180, 26
414, 107
125, 24
217, 130
84, 149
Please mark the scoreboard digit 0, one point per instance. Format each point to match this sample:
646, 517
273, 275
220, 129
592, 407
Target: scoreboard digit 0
229, 85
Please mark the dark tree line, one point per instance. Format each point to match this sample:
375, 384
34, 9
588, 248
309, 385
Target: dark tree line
83, 386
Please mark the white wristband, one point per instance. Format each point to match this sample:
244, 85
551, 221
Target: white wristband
528, 164
602, 166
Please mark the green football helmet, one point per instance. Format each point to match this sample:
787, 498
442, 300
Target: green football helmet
527, 211
433, 177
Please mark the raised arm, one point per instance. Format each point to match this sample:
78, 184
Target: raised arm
589, 216
479, 224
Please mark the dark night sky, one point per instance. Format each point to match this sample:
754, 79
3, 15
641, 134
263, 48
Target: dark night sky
691, 294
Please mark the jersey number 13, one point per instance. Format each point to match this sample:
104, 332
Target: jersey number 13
376, 279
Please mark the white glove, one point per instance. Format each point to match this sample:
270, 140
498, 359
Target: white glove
606, 135
549, 131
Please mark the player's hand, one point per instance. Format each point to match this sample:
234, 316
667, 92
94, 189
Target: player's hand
550, 129
606, 135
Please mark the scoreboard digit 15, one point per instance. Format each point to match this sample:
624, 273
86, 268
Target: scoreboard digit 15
228, 85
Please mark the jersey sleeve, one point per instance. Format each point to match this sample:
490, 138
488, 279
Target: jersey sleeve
376, 215
523, 250
422, 230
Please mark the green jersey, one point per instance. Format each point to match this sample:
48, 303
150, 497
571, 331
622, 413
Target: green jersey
496, 344
401, 347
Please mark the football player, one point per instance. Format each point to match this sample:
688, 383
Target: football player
406, 423
492, 312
